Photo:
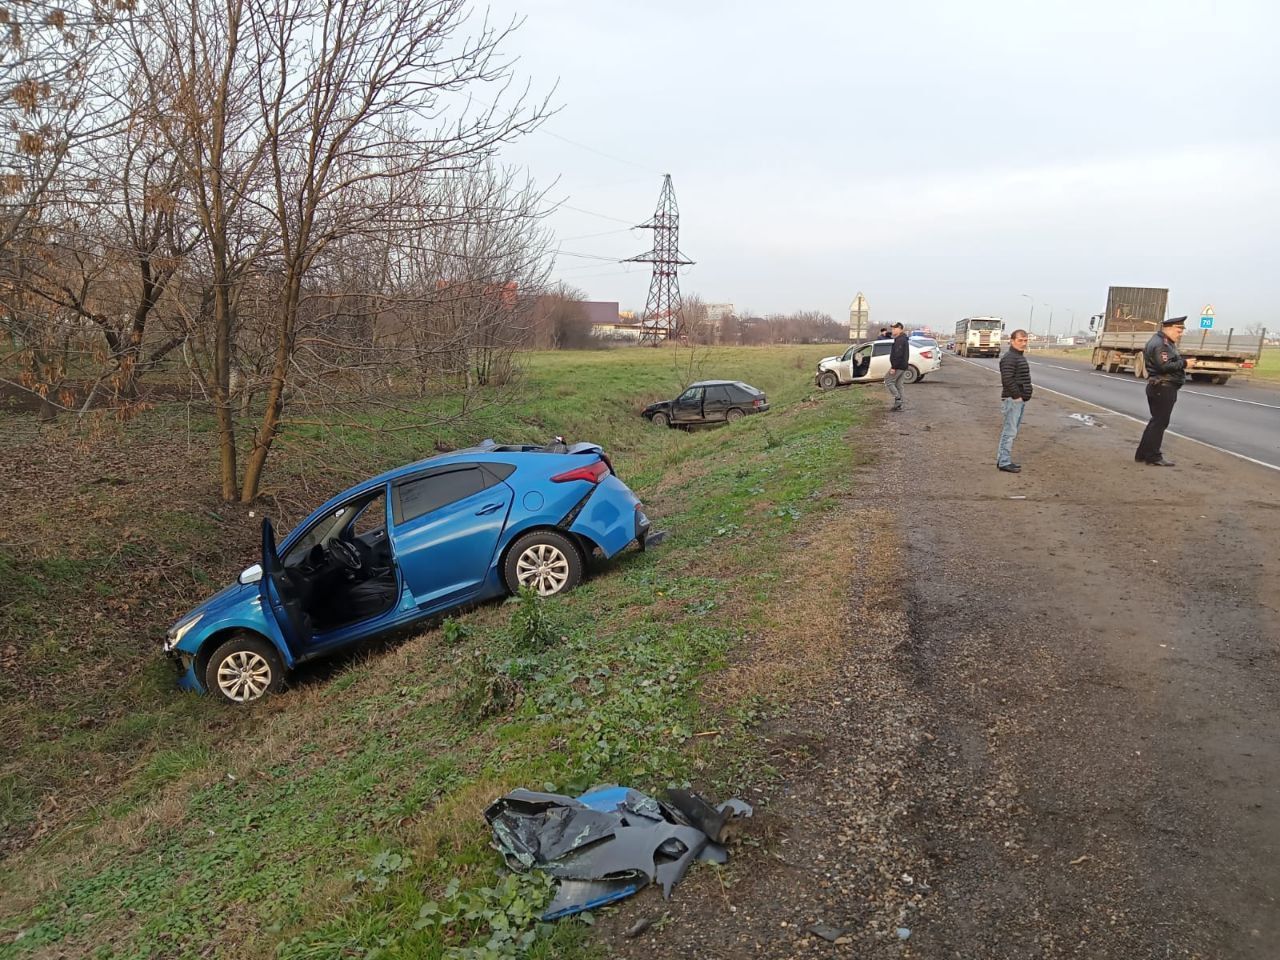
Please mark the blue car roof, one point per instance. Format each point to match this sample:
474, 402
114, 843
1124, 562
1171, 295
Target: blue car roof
486, 450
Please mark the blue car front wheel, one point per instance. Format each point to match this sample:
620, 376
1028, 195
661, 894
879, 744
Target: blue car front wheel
243, 669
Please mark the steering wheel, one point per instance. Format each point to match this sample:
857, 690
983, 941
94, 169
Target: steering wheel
347, 555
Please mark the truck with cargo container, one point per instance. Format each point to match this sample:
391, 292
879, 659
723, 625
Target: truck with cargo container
1133, 314
978, 336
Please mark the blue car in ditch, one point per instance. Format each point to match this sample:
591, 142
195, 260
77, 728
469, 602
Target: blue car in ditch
405, 546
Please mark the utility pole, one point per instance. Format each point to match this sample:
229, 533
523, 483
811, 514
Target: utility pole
661, 319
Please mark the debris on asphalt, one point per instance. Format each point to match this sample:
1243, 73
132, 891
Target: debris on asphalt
904, 933
1087, 419
637, 928
610, 842
826, 931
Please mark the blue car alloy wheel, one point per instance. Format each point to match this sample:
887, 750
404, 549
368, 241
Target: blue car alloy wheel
401, 548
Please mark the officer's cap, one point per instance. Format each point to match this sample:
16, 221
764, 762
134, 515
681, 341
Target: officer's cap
1175, 322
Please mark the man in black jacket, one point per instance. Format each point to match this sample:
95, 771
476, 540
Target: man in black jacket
1166, 373
899, 360
1015, 391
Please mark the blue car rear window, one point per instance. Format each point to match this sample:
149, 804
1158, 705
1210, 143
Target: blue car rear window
419, 497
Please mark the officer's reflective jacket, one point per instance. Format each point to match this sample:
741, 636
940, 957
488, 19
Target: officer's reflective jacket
1163, 362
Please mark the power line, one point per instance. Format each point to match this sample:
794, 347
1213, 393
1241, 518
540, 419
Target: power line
586, 256
592, 213
602, 233
607, 156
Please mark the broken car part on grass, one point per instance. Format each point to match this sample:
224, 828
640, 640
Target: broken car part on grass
610, 842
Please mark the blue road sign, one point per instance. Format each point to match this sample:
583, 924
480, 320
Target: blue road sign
1206, 323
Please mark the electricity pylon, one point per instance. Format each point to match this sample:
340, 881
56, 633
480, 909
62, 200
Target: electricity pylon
661, 319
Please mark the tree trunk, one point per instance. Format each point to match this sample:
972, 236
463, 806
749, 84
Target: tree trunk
222, 389
266, 434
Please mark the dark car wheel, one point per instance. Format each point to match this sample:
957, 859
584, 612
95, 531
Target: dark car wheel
734, 414
660, 420
828, 381
912, 375
244, 669
545, 561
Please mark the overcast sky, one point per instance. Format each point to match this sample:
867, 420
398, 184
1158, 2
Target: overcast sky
943, 158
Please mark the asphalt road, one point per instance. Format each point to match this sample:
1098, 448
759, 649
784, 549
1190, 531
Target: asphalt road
1235, 417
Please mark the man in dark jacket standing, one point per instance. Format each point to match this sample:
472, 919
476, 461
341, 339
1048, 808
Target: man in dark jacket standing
1015, 391
1166, 373
899, 360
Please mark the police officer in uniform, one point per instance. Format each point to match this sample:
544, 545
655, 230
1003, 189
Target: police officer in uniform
1166, 373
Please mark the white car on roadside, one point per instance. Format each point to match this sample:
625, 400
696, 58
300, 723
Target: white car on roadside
865, 362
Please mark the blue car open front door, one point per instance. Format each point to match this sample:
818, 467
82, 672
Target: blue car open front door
445, 529
279, 599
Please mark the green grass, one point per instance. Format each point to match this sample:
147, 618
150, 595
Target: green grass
1268, 368
342, 818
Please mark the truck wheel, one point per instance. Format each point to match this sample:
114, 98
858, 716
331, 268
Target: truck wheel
1221, 378
243, 669
828, 380
1140, 367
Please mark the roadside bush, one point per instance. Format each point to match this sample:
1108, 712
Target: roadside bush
532, 627
485, 688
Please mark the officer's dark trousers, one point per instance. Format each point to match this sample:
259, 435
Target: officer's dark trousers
1160, 399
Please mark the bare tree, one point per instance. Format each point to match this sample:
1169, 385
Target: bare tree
303, 124
52, 58
559, 320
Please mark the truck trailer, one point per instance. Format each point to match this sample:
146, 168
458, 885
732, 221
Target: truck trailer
1133, 314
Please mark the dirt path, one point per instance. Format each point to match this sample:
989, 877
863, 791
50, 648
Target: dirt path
1055, 730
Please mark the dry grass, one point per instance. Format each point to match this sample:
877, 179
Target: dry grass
807, 626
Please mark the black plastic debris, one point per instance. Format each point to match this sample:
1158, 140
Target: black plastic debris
611, 841
720, 823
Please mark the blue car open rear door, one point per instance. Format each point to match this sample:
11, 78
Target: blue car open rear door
279, 597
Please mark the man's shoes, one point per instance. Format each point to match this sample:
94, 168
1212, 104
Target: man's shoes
1161, 462
1018, 465
1009, 467
895, 408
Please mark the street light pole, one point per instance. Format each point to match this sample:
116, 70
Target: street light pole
1049, 335
1032, 313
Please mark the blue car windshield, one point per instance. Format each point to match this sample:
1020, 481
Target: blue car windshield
329, 526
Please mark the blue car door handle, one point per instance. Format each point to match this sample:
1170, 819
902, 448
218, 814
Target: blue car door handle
488, 508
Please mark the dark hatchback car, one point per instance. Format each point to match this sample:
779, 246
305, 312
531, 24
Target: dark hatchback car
708, 401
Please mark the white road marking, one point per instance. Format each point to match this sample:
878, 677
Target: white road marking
1218, 396
1120, 413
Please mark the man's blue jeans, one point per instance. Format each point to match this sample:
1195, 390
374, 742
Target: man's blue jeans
1013, 410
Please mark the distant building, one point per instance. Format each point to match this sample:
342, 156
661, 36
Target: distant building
601, 311
859, 318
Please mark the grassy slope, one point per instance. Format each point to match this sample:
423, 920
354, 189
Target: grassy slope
323, 821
